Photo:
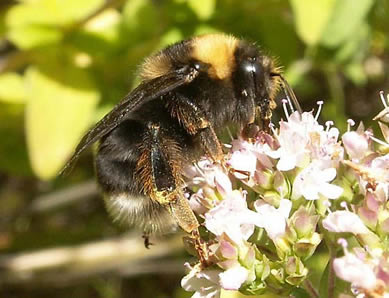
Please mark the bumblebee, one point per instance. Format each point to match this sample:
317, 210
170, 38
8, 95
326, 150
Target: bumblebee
188, 93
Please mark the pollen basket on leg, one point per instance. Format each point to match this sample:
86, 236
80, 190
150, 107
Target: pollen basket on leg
217, 51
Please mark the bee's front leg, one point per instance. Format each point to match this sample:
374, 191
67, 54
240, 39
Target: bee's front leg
260, 121
159, 171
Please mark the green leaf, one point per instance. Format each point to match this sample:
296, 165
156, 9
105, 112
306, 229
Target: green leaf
341, 286
49, 12
170, 37
355, 46
311, 18
61, 101
11, 88
205, 29
203, 9
32, 36
100, 35
347, 17
356, 73
38, 23
140, 18
13, 150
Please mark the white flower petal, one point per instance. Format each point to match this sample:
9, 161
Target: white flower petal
328, 174
233, 278
344, 221
286, 162
285, 207
331, 191
271, 219
204, 283
231, 217
243, 161
354, 270
310, 192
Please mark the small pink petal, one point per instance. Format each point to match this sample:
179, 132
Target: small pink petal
228, 251
368, 216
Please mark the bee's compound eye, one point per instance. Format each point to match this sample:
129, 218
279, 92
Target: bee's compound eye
200, 66
250, 65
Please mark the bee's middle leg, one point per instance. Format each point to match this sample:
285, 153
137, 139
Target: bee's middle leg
159, 170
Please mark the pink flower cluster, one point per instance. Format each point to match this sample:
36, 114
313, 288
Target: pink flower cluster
260, 210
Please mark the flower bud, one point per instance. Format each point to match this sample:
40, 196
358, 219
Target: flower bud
383, 228
272, 197
281, 185
295, 270
210, 195
305, 247
261, 266
248, 259
263, 180
370, 240
283, 247
356, 144
368, 217
304, 222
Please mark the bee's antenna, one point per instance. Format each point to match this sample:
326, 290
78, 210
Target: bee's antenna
288, 91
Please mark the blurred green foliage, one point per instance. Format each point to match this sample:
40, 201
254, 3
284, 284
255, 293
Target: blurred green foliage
65, 63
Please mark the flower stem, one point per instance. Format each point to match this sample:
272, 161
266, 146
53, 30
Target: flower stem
331, 271
332, 254
310, 289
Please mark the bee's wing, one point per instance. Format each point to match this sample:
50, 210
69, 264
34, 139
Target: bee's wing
145, 92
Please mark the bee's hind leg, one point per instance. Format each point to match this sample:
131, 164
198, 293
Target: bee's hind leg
159, 170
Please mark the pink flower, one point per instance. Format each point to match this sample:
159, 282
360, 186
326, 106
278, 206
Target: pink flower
344, 221
352, 269
231, 217
380, 166
233, 278
313, 180
243, 161
293, 140
203, 173
325, 148
356, 144
205, 283
271, 219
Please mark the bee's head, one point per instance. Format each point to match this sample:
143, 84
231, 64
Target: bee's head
254, 77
